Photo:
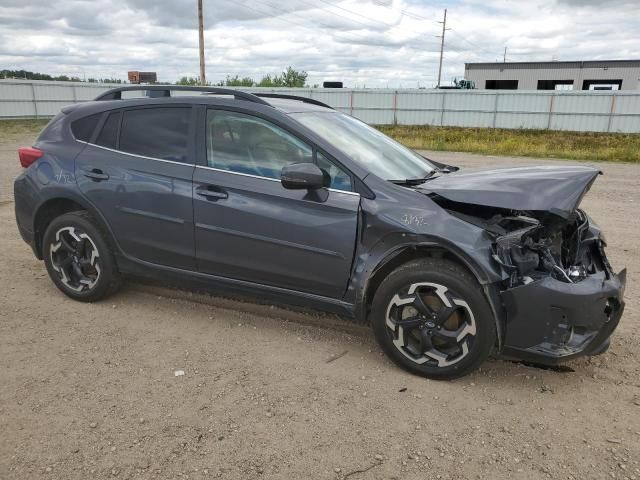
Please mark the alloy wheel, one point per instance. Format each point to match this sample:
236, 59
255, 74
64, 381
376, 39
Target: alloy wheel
75, 258
431, 325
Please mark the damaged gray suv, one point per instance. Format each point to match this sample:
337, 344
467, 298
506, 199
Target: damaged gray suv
288, 200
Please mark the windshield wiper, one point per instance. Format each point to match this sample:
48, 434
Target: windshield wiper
416, 181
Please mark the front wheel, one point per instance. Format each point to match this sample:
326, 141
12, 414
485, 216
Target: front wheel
431, 318
78, 257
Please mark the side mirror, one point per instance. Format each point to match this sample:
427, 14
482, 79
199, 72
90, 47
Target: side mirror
298, 176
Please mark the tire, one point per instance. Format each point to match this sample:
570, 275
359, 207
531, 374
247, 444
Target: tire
431, 318
78, 257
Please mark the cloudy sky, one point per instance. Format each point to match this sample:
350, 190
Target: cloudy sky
369, 43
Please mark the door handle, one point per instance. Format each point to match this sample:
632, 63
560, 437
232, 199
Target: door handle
96, 174
212, 193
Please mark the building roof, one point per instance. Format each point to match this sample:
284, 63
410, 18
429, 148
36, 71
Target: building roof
556, 64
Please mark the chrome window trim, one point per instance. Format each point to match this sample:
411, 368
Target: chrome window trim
202, 166
267, 178
190, 164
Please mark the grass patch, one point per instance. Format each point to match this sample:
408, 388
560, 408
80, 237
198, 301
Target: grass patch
11, 130
615, 147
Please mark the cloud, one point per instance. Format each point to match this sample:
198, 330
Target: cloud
362, 42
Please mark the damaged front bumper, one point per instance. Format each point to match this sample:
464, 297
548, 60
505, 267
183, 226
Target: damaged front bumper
549, 321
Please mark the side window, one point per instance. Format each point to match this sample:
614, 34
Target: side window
156, 132
246, 144
83, 128
108, 136
340, 180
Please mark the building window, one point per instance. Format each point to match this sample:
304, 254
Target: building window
501, 85
602, 84
555, 84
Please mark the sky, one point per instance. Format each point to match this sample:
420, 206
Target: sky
364, 43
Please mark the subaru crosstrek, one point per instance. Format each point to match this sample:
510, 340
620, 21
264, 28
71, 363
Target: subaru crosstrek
291, 201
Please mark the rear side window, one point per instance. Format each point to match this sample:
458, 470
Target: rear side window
108, 136
156, 132
83, 128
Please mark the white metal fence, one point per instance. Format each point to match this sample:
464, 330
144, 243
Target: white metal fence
611, 111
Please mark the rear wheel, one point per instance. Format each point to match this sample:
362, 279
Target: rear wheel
78, 258
431, 318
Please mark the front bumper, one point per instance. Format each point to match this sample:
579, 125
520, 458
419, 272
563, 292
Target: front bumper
549, 321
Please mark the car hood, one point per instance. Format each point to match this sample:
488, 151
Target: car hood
557, 190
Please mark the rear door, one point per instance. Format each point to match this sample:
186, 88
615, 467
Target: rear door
248, 227
137, 170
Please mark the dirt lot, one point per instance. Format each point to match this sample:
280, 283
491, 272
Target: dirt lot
88, 391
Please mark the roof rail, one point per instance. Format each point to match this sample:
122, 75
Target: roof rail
294, 97
164, 91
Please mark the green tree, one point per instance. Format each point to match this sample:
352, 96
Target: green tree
290, 78
269, 81
293, 78
238, 82
190, 81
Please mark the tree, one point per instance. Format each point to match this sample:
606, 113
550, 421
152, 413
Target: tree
190, 81
293, 78
290, 78
238, 82
268, 81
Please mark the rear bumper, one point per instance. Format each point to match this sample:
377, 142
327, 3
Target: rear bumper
549, 321
24, 202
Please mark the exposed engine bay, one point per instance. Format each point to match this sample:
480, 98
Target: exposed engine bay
531, 245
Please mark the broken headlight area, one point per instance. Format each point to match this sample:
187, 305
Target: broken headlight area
567, 250
533, 245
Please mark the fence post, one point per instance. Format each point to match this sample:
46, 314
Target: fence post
611, 110
35, 100
351, 103
75, 95
395, 107
495, 109
442, 107
551, 101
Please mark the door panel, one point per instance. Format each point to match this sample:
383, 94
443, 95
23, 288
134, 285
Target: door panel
147, 203
253, 229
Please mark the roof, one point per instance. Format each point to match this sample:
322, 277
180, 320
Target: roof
556, 64
295, 106
287, 104
206, 93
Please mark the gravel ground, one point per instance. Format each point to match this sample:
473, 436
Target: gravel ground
90, 391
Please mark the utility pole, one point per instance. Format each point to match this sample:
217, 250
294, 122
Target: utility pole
203, 80
444, 29
504, 59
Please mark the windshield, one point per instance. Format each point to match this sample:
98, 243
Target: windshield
370, 148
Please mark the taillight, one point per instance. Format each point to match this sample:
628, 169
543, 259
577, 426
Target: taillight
28, 155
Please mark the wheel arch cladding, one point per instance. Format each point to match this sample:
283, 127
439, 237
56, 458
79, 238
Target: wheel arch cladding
52, 208
408, 253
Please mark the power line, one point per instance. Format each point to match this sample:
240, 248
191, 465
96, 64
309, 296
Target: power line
353, 13
406, 12
316, 23
463, 38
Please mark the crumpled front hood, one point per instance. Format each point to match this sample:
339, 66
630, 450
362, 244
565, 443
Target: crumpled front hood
558, 190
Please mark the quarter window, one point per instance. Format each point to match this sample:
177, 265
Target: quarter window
246, 144
156, 132
83, 128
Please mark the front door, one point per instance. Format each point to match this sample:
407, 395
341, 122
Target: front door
138, 172
248, 227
